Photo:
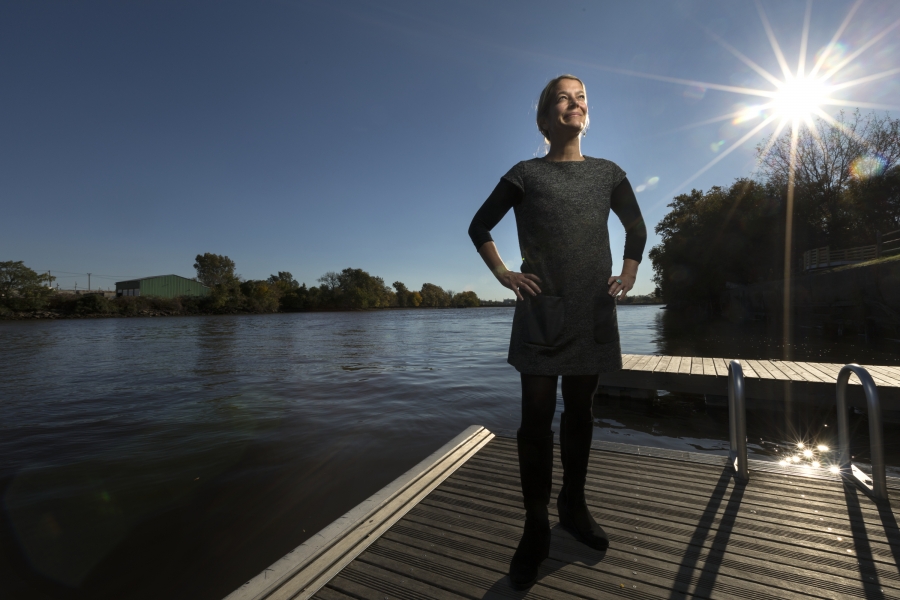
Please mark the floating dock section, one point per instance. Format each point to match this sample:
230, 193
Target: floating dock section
680, 526
765, 380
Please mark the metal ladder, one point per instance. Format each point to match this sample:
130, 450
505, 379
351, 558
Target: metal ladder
876, 437
737, 425
737, 422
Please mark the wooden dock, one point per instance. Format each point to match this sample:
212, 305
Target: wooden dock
766, 380
679, 528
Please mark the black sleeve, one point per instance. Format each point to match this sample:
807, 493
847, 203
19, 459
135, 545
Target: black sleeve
625, 205
504, 197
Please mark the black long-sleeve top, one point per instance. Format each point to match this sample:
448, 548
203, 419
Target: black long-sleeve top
506, 195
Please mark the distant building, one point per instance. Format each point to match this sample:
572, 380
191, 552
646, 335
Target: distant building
163, 286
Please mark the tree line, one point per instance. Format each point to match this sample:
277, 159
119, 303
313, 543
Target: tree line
350, 289
23, 290
847, 189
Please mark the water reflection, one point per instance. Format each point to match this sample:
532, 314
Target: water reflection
689, 423
178, 457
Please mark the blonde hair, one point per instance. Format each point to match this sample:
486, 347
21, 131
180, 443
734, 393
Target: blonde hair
546, 99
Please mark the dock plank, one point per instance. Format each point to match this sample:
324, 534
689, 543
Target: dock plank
611, 512
774, 367
789, 369
677, 528
641, 364
652, 515
329, 593
802, 372
696, 367
887, 375
822, 373
760, 367
651, 366
721, 367
363, 579
749, 371
768, 381
807, 373
674, 363
629, 361
818, 371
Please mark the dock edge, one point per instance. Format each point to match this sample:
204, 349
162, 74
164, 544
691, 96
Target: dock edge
309, 566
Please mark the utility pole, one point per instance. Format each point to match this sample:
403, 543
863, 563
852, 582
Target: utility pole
89, 281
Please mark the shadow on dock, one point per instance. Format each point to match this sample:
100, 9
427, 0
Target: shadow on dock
712, 561
678, 522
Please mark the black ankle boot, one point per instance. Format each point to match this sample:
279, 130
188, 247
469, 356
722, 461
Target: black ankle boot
536, 472
574, 516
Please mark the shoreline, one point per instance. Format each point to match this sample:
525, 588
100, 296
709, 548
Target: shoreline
54, 315
47, 315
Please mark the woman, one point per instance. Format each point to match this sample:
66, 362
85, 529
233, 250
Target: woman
565, 319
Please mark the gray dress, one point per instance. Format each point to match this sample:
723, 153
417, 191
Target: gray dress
571, 327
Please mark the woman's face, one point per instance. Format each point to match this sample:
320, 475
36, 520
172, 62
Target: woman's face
568, 111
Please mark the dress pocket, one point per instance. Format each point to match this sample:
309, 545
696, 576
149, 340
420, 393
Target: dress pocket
543, 319
606, 326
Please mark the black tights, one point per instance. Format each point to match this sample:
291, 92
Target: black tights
539, 401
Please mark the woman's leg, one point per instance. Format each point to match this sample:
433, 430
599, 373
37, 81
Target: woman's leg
534, 441
576, 429
578, 396
538, 404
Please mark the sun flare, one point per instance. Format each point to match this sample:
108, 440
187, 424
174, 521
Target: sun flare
798, 95
800, 99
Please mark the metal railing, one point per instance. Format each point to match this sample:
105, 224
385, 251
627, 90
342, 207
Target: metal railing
887, 243
876, 441
818, 258
737, 421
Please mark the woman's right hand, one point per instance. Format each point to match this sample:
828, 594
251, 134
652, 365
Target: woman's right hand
510, 279
515, 281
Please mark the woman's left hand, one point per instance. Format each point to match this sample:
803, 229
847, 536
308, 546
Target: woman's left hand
620, 285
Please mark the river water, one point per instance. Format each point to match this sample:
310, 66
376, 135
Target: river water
178, 457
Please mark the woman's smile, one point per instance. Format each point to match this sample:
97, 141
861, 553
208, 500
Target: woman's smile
569, 111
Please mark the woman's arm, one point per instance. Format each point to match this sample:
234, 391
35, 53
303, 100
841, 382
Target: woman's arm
624, 204
510, 279
504, 197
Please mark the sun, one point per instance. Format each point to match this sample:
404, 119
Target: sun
799, 99
799, 96
795, 99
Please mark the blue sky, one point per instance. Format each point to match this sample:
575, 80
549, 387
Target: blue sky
314, 136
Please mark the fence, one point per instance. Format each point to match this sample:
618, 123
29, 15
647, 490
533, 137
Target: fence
818, 258
888, 243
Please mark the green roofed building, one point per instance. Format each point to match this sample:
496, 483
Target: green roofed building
163, 286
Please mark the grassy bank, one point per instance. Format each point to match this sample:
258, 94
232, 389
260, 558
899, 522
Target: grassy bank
94, 305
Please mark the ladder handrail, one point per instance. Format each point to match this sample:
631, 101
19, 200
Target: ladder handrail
737, 421
876, 438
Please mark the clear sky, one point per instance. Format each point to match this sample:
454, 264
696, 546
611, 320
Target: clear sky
311, 136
